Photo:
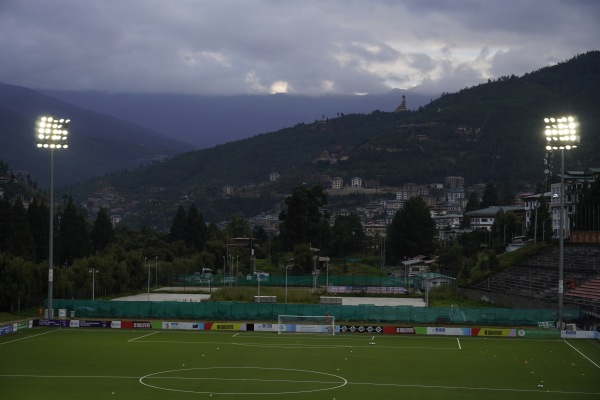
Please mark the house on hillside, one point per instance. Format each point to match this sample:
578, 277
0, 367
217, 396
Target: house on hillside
531, 202
337, 183
356, 182
484, 218
575, 181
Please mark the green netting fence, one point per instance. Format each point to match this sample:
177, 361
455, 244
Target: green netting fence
230, 311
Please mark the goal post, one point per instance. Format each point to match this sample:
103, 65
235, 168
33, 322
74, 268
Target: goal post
306, 324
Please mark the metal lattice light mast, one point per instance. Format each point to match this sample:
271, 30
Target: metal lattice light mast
51, 133
561, 134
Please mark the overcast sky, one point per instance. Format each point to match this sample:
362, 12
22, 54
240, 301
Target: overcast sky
310, 47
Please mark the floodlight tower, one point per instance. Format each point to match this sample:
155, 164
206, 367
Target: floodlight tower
561, 134
51, 133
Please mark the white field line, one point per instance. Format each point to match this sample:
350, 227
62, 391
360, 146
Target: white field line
458, 341
29, 337
473, 388
143, 336
582, 355
69, 376
396, 385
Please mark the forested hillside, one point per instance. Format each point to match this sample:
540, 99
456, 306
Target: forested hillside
488, 133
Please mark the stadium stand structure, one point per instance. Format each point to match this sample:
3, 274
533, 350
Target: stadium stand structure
537, 279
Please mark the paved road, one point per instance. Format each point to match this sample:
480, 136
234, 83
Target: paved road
352, 301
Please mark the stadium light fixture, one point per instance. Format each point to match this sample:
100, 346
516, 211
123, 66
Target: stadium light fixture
561, 134
51, 133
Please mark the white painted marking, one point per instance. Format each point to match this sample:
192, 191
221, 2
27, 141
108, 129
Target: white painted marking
150, 334
582, 355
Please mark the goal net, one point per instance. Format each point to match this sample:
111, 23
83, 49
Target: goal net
306, 324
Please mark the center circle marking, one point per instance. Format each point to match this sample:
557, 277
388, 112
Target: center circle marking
336, 382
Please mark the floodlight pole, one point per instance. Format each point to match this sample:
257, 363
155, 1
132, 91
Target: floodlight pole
156, 270
286, 268
147, 265
561, 236
51, 133
51, 237
561, 134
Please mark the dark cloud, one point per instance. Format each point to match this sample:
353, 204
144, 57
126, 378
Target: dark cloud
306, 47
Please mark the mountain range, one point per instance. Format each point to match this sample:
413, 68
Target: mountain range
115, 131
491, 132
207, 121
98, 143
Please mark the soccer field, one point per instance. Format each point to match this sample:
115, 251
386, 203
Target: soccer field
51, 363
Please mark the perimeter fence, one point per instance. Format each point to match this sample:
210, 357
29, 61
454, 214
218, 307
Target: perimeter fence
231, 311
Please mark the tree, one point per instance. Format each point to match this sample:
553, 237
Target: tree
197, 233
178, 229
490, 196
347, 235
103, 233
239, 227
303, 221
472, 205
505, 226
5, 212
38, 215
20, 241
304, 259
74, 239
412, 230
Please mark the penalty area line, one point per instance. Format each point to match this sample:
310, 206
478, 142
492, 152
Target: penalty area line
143, 336
29, 337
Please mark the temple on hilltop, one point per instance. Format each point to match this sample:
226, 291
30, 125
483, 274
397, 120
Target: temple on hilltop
402, 106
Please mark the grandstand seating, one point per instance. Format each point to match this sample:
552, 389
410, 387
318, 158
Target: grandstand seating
537, 280
586, 295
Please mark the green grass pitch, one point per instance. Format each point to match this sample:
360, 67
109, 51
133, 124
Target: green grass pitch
92, 364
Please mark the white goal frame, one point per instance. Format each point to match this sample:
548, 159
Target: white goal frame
324, 324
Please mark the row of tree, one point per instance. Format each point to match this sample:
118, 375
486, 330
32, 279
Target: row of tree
93, 259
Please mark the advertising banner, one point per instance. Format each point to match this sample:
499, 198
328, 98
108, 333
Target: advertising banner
538, 333
115, 324
74, 323
54, 322
19, 326
94, 324
369, 329
222, 326
5, 330
196, 326
265, 327
493, 332
136, 325
446, 331
313, 328
579, 335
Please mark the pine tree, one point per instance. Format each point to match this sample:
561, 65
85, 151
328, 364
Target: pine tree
20, 241
74, 238
197, 233
38, 215
179, 226
490, 196
103, 233
412, 230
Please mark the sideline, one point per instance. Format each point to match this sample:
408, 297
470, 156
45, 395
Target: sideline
582, 355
